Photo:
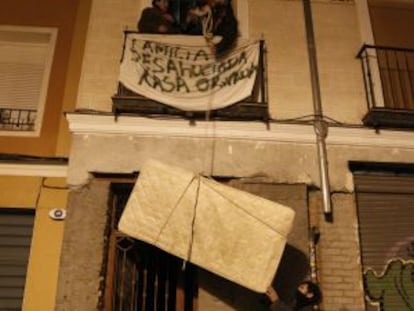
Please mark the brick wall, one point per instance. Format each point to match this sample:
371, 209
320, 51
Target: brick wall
338, 254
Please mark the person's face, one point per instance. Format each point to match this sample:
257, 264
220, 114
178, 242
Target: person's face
302, 295
304, 290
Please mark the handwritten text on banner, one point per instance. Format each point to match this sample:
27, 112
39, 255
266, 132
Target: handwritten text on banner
180, 71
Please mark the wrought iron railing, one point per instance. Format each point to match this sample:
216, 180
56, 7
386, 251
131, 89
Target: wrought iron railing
388, 76
17, 119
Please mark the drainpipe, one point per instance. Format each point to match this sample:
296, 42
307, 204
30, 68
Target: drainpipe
319, 125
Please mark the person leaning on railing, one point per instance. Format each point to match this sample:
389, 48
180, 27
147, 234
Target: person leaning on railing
157, 19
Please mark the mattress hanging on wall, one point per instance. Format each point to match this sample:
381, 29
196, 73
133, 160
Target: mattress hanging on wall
232, 233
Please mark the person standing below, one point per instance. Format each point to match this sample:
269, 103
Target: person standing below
157, 19
306, 296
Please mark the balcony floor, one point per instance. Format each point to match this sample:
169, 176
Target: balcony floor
389, 118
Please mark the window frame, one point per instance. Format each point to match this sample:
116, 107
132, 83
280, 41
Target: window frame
182, 289
47, 68
241, 10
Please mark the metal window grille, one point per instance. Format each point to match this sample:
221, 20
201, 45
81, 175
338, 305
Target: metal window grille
141, 277
17, 119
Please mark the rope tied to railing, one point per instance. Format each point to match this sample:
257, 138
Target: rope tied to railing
205, 15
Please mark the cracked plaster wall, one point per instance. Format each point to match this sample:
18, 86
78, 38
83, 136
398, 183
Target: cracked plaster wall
281, 162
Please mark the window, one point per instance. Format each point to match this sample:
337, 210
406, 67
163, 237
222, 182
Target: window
179, 9
16, 227
25, 62
140, 276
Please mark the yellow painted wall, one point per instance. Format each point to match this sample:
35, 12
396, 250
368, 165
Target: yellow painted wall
42, 273
19, 192
43, 194
68, 18
73, 75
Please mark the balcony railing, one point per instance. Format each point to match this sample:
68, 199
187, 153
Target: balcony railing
17, 119
389, 85
253, 107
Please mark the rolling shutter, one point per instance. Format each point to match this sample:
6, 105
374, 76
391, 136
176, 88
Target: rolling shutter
16, 227
386, 225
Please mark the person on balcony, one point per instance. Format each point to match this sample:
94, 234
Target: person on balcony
157, 19
306, 296
214, 18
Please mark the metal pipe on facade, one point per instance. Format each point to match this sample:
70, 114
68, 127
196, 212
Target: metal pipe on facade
320, 126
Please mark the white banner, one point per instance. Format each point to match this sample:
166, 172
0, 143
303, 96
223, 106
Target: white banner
181, 72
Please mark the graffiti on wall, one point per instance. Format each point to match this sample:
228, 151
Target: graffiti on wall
393, 290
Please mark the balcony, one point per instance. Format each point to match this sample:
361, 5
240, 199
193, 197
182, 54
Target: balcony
252, 106
389, 85
17, 119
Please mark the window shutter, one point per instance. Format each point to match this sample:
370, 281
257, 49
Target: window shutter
26, 55
386, 217
22, 68
15, 238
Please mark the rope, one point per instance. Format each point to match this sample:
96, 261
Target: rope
174, 208
205, 14
190, 247
207, 24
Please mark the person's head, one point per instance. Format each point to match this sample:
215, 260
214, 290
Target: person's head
214, 3
307, 294
161, 4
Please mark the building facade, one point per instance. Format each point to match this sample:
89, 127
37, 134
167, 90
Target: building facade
41, 44
335, 144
